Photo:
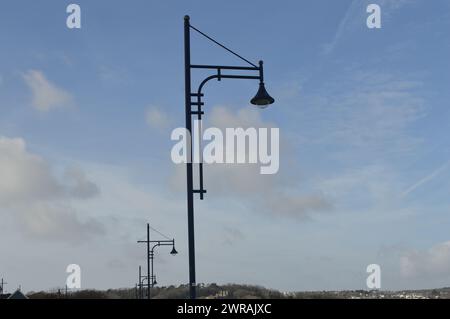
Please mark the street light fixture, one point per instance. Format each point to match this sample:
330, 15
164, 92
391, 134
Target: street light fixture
151, 277
262, 99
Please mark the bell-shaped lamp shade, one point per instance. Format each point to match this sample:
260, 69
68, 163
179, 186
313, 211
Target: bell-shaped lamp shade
154, 283
174, 251
262, 99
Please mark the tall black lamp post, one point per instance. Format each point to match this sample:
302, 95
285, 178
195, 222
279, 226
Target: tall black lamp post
261, 99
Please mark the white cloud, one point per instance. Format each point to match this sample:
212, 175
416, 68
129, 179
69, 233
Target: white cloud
25, 176
296, 205
38, 199
46, 96
430, 263
222, 117
56, 221
269, 194
156, 118
78, 184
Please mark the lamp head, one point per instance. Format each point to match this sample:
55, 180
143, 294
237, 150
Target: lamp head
262, 99
174, 251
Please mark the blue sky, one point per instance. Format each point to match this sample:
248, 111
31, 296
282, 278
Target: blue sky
363, 117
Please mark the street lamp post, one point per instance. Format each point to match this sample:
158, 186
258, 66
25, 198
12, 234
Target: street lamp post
261, 99
141, 284
2, 285
142, 279
151, 277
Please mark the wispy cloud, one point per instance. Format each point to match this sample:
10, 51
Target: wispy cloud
46, 96
430, 263
365, 113
355, 14
157, 118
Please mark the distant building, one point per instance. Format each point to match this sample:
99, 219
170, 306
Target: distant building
17, 295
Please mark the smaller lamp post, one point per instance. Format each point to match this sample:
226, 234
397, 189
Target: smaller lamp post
151, 277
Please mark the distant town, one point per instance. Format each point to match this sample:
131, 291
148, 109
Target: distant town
234, 291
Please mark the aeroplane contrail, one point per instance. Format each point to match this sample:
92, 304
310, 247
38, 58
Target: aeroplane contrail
425, 180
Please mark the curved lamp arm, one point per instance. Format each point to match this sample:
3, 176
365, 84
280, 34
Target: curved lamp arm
221, 76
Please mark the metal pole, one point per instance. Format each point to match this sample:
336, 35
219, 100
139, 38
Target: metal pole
140, 284
189, 173
148, 261
152, 276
